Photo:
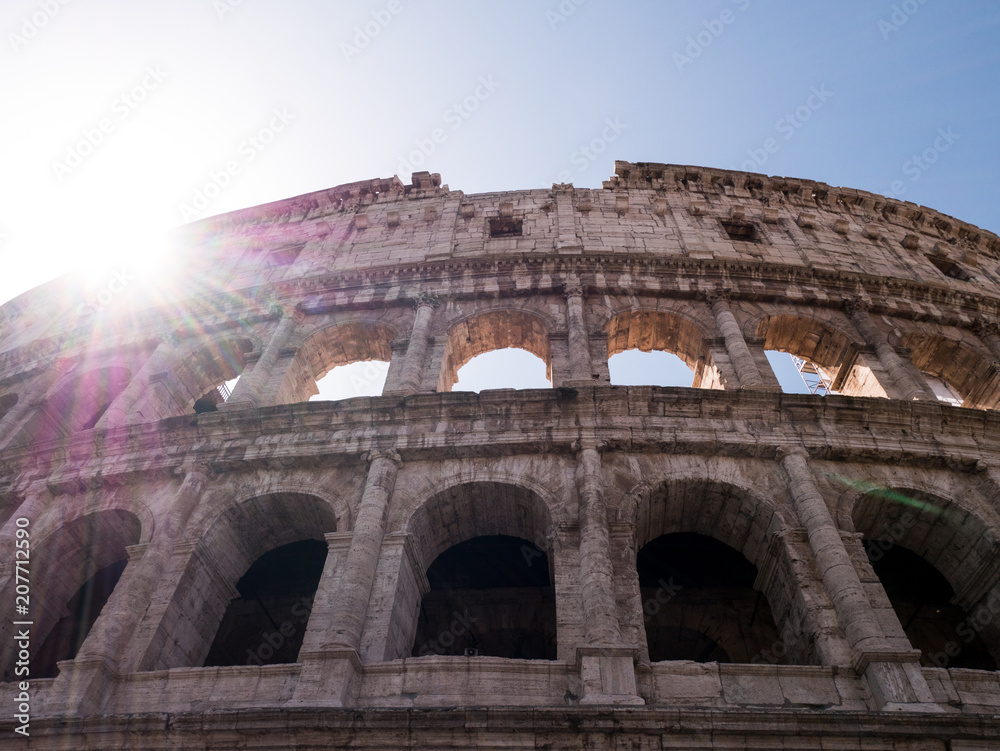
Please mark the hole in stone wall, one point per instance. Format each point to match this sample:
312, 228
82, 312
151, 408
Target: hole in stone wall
355, 379
657, 368
507, 368
921, 597
505, 227
699, 603
950, 269
741, 231
66, 637
265, 625
492, 594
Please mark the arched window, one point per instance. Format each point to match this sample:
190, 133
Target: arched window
490, 595
484, 547
656, 348
246, 585
339, 362
808, 356
496, 333
266, 623
928, 555
956, 372
74, 571
699, 603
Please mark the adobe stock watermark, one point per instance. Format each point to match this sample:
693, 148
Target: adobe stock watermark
704, 39
918, 164
588, 153
665, 592
97, 302
222, 178
223, 8
455, 116
900, 15
271, 642
562, 12
460, 624
121, 107
367, 32
787, 127
31, 26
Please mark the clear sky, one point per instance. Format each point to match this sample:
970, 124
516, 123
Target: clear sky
116, 113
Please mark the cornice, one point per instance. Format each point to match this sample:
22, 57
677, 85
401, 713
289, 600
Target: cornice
674, 421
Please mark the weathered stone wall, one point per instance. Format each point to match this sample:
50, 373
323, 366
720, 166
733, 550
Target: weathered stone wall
100, 449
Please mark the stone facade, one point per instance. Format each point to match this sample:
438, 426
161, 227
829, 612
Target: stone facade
782, 625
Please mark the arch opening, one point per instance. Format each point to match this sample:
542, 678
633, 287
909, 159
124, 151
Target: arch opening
488, 333
266, 623
699, 602
656, 348
341, 361
956, 373
489, 596
922, 600
245, 532
508, 368
931, 558
74, 571
209, 374
823, 361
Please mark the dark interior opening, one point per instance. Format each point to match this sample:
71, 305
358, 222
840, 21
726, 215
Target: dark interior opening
490, 595
505, 227
699, 603
265, 625
921, 597
67, 636
741, 231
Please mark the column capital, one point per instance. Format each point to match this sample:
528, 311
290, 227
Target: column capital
785, 452
572, 287
855, 304
390, 454
194, 467
582, 444
719, 293
425, 299
983, 326
296, 313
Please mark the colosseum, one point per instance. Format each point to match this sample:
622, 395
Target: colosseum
718, 565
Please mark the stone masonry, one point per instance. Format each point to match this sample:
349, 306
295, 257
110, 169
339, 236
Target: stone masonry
431, 569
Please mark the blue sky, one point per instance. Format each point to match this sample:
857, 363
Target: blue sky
116, 113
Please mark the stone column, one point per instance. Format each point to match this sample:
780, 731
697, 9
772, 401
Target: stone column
606, 665
83, 683
894, 677
580, 365
904, 385
332, 672
249, 391
157, 362
736, 346
416, 350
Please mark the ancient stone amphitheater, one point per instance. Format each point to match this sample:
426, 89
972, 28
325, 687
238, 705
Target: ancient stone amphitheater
588, 566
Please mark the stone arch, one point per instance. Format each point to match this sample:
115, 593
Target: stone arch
73, 570
485, 549
834, 353
972, 373
240, 535
490, 330
746, 619
199, 370
661, 330
956, 541
330, 346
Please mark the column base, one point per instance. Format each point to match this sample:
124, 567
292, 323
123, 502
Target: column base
895, 682
82, 685
608, 676
329, 678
